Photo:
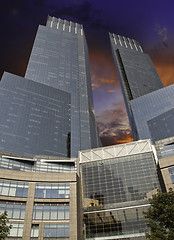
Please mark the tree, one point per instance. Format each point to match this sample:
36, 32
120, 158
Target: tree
4, 227
160, 216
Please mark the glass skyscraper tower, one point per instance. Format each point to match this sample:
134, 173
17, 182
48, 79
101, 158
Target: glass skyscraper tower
149, 105
136, 72
51, 111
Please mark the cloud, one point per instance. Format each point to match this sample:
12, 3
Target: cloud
162, 32
83, 12
113, 125
111, 91
103, 71
162, 58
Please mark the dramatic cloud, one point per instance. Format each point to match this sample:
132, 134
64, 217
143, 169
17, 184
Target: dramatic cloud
113, 125
103, 72
162, 58
162, 32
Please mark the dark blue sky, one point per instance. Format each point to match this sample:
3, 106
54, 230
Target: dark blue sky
151, 22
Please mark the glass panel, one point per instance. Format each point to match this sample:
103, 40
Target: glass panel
5, 191
12, 192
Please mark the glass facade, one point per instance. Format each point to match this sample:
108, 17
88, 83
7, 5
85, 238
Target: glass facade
128, 221
13, 189
136, 72
124, 179
15, 210
31, 116
116, 189
51, 211
148, 109
54, 190
59, 59
56, 231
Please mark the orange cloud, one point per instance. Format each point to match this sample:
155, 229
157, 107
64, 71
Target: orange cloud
166, 73
111, 91
127, 139
103, 70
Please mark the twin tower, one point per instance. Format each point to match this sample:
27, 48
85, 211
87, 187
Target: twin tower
50, 111
49, 189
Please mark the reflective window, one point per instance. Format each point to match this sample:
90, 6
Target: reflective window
51, 211
11, 188
171, 171
15, 210
54, 167
29, 166
16, 165
57, 190
34, 231
17, 230
56, 231
116, 222
117, 180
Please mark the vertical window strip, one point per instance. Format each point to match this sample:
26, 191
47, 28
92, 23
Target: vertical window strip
76, 28
124, 40
81, 30
64, 22
114, 39
130, 43
58, 23
70, 26
120, 40
135, 44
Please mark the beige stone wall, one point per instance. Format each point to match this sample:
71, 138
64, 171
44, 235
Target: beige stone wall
32, 178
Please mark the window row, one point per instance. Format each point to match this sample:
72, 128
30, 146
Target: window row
16, 165
51, 212
59, 190
14, 211
11, 188
56, 231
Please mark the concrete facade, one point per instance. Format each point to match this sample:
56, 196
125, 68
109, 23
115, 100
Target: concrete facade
44, 178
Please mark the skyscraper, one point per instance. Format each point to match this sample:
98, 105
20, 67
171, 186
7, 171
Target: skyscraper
136, 72
58, 68
46, 118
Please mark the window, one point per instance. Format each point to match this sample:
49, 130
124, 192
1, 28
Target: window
51, 211
15, 210
55, 190
56, 231
171, 171
17, 230
16, 189
35, 230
